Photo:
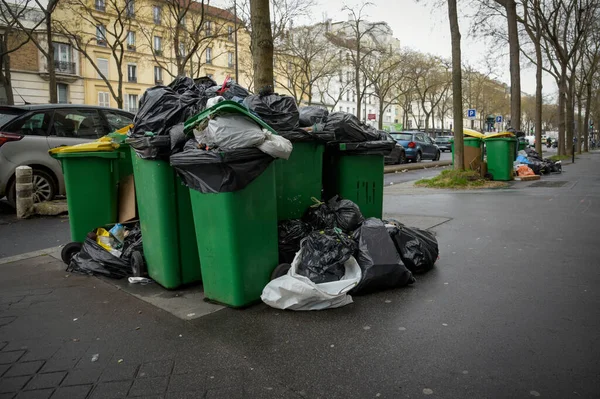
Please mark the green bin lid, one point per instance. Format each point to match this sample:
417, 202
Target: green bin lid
224, 107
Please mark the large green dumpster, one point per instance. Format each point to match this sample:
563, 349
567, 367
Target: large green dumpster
92, 187
357, 177
500, 157
298, 179
166, 220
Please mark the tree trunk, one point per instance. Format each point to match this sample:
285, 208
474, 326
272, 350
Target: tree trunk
561, 118
569, 119
586, 121
5, 78
579, 121
262, 44
459, 162
381, 111
538, 97
515, 68
50, 61
359, 97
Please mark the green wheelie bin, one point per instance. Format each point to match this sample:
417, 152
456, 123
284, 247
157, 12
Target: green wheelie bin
235, 217
500, 157
92, 186
166, 221
355, 176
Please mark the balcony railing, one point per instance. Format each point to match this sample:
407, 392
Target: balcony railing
64, 67
132, 79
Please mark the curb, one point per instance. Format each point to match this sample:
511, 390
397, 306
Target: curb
53, 251
415, 166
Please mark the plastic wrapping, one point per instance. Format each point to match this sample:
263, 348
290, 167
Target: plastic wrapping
378, 259
348, 128
228, 90
319, 216
291, 233
276, 146
324, 254
212, 171
296, 292
230, 132
93, 259
418, 248
311, 114
346, 213
132, 242
151, 147
279, 112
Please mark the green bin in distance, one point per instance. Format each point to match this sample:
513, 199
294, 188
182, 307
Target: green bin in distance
468, 142
298, 179
500, 157
92, 187
237, 240
166, 221
358, 178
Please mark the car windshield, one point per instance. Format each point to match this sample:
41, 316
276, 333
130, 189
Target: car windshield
442, 140
401, 136
7, 115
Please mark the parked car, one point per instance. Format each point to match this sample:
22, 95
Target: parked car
27, 133
398, 154
417, 146
443, 143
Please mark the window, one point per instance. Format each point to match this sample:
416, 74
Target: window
63, 93
157, 45
104, 99
102, 64
341, 109
157, 14
117, 120
80, 123
354, 110
347, 96
130, 4
208, 28
33, 125
369, 98
63, 59
230, 59
409, 124
209, 55
340, 77
158, 77
100, 5
353, 96
132, 73
131, 103
131, 41
348, 109
348, 78
289, 83
101, 35
182, 20
182, 50
230, 33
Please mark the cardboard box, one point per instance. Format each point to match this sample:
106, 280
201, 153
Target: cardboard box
127, 201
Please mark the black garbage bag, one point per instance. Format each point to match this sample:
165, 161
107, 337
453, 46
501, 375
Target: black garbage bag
378, 259
213, 171
279, 112
311, 114
151, 147
205, 82
348, 128
291, 233
182, 84
93, 259
417, 248
319, 216
132, 242
159, 109
300, 135
324, 254
177, 138
347, 214
365, 148
229, 90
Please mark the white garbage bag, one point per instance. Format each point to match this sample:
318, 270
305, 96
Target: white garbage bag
276, 146
230, 132
296, 292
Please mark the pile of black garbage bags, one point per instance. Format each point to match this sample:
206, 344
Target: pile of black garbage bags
388, 252
540, 165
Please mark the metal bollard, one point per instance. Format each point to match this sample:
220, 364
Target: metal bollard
24, 186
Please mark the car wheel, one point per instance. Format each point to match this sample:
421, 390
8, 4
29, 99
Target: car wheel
44, 188
419, 157
437, 156
402, 159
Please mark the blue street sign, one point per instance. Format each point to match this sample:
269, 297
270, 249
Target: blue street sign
471, 113
499, 119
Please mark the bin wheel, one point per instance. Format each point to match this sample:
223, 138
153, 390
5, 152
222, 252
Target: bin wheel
280, 270
137, 264
489, 176
69, 251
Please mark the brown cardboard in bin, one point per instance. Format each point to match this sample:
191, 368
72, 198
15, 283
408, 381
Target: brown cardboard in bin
472, 157
127, 203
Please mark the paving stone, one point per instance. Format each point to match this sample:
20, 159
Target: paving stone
187, 382
39, 394
149, 386
58, 364
6, 320
7, 395
42, 353
225, 377
10, 357
72, 350
186, 395
82, 376
119, 372
225, 393
3, 368
12, 384
156, 369
48, 380
26, 368
2, 345
77, 392
116, 389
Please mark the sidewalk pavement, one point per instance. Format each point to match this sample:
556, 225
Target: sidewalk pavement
415, 166
510, 310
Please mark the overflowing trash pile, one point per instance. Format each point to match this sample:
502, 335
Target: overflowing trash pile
334, 252
529, 163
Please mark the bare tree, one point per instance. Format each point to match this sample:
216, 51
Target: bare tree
459, 162
327, 89
47, 48
262, 44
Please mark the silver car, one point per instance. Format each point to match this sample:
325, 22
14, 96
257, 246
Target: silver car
27, 133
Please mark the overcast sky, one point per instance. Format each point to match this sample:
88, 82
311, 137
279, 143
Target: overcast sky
423, 25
